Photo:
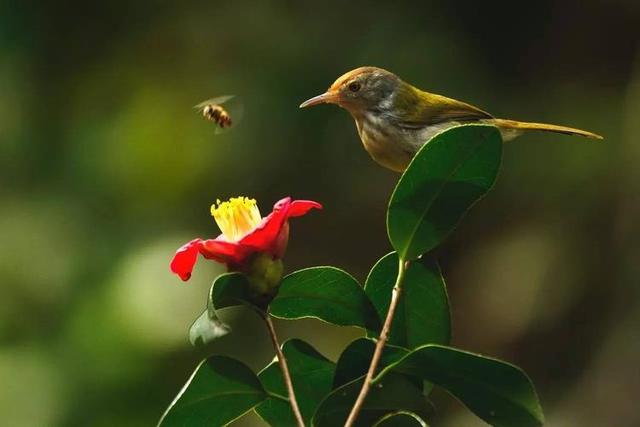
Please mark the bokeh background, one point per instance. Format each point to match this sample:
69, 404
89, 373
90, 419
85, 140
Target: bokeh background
106, 169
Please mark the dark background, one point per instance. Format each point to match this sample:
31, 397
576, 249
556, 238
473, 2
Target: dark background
106, 169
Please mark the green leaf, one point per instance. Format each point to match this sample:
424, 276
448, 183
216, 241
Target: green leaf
227, 290
448, 175
401, 419
498, 392
325, 293
220, 390
207, 328
393, 393
422, 316
355, 358
230, 289
311, 375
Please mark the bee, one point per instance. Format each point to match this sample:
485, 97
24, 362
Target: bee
213, 110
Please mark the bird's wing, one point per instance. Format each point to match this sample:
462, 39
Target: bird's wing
431, 109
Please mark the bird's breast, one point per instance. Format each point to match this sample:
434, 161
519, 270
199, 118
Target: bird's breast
388, 143
383, 142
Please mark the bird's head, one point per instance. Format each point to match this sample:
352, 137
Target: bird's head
365, 88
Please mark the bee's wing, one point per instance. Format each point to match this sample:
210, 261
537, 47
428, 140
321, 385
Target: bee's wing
216, 101
235, 110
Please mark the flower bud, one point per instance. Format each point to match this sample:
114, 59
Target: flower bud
264, 273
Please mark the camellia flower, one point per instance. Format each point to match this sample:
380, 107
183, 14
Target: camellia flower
244, 234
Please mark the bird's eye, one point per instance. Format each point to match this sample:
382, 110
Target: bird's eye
354, 86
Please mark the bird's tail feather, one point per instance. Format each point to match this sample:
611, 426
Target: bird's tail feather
513, 126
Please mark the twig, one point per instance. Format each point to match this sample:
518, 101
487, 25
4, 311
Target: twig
285, 371
382, 340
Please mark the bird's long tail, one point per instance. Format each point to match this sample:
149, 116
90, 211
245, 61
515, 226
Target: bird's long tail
512, 128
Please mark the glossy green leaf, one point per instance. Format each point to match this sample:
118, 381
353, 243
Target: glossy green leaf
448, 175
401, 419
393, 393
227, 290
311, 375
498, 392
325, 293
220, 390
355, 358
230, 289
207, 328
422, 316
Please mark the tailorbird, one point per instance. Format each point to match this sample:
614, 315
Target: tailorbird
394, 119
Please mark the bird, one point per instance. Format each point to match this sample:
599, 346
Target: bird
394, 119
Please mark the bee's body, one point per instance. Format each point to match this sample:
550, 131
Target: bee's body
217, 114
213, 110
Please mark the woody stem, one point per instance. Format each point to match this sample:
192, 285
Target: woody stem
285, 370
382, 340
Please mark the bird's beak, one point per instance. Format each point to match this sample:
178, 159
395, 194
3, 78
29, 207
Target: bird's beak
326, 98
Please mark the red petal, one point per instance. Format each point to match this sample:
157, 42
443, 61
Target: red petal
301, 207
264, 236
280, 244
225, 252
185, 258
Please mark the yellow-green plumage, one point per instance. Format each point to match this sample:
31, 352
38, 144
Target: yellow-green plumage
394, 119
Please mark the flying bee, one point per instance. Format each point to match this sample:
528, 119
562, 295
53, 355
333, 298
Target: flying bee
213, 110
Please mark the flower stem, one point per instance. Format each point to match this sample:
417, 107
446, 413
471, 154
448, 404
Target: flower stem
285, 370
382, 340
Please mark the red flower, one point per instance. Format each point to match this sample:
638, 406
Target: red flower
244, 233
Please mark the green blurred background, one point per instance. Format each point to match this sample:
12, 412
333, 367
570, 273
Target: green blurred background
106, 169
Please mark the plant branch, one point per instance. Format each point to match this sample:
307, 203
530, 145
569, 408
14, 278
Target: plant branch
285, 370
382, 340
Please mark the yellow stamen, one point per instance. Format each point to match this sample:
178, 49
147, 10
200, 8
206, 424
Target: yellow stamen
236, 217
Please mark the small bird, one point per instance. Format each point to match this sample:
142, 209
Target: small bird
394, 119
